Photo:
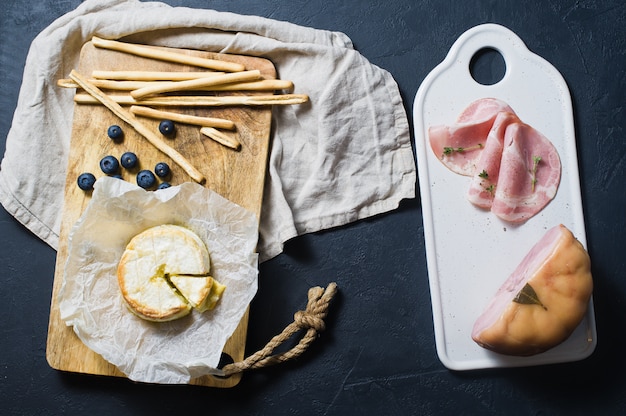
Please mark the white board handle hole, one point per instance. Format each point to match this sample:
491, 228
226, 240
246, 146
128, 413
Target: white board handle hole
487, 66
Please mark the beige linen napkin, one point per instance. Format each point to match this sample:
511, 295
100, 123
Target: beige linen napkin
345, 157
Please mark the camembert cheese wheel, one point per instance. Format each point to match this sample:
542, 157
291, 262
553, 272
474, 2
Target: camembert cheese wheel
164, 273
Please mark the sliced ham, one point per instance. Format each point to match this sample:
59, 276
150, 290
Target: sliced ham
530, 173
467, 136
515, 169
483, 109
484, 182
543, 300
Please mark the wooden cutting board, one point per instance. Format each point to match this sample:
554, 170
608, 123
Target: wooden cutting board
236, 175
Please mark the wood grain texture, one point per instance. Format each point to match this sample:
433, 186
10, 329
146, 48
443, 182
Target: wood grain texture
236, 175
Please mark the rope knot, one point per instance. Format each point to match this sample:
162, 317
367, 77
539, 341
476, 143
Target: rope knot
311, 319
306, 320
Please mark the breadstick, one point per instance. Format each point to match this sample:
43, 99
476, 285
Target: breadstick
164, 55
196, 83
129, 118
262, 85
221, 138
152, 75
108, 84
182, 118
201, 101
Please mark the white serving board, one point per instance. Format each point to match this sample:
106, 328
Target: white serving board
470, 252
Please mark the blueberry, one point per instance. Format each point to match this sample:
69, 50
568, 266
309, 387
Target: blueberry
146, 179
164, 185
109, 165
85, 181
162, 169
167, 127
129, 160
115, 132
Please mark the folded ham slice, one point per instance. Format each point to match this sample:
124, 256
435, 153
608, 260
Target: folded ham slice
530, 173
515, 169
458, 146
542, 301
485, 177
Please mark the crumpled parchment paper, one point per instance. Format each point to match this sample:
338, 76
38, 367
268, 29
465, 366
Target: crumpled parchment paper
90, 299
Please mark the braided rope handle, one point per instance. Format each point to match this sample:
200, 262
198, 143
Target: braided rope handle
311, 320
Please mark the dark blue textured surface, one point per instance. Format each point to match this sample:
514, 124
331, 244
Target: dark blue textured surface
377, 356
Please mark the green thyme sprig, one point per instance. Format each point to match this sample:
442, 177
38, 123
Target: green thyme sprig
533, 181
447, 151
484, 175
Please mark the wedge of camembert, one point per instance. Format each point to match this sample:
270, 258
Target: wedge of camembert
164, 273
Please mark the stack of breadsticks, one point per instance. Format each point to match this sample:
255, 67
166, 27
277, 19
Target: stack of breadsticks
142, 90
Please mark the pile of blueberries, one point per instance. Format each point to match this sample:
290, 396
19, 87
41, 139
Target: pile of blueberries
110, 165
